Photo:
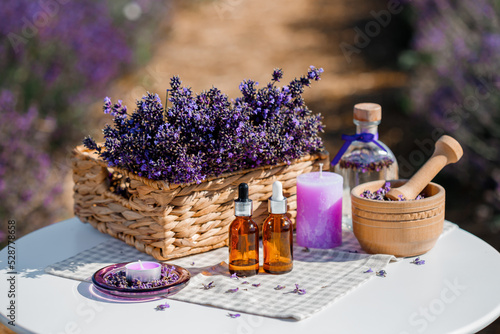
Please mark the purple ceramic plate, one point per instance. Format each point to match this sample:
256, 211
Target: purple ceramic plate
169, 289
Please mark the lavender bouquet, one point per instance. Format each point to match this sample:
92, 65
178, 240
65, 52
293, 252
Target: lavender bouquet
204, 135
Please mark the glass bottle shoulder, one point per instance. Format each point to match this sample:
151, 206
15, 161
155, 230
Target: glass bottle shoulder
280, 219
244, 222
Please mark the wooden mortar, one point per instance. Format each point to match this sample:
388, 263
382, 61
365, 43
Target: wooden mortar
400, 228
410, 227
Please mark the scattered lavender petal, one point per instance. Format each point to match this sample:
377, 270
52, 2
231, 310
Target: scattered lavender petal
368, 271
233, 315
418, 261
256, 285
382, 273
297, 290
162, 307
279, 287
232, 290
208, 286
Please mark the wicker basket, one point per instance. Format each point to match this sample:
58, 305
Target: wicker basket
169, 221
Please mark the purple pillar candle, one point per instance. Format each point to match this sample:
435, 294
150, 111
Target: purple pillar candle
319, 210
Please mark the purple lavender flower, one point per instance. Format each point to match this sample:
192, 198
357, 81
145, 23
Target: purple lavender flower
418, 261
277, 74
208, 286
119, 279
379, 195
381, 273
206, 134
299, 291
233, 315
162, 307
232, 290
256, 285
368, 271
90, 143
279, 287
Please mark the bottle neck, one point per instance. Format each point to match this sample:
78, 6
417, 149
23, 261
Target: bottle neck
367, 127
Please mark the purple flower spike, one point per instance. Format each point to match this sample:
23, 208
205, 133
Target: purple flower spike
232, 290
233, 315
162, 307
368, 271
277, 74
279, 287
207, 134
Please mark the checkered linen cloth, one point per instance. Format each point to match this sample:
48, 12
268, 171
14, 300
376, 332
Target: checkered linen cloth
326, 275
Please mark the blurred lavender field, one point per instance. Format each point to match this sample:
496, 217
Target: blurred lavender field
56, 59
455, 89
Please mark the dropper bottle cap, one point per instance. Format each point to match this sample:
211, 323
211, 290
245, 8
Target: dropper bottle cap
243, 205
277, 203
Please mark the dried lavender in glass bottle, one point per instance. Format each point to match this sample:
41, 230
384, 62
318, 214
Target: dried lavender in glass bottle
363, 157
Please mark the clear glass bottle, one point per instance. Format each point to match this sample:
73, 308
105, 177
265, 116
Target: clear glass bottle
243, 237
365, 161
277, 235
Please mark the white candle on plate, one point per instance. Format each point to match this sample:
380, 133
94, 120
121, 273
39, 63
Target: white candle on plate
143, 271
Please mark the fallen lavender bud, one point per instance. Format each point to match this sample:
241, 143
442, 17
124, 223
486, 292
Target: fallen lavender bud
418, 261
162, 307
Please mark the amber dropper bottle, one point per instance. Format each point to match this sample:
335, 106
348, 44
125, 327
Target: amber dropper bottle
277, 235
243, 237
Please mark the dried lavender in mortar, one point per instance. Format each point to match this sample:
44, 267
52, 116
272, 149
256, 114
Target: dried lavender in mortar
379, 195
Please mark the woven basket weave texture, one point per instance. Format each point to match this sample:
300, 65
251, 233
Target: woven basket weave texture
169, 221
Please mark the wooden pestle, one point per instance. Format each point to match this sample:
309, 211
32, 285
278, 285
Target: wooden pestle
447, 151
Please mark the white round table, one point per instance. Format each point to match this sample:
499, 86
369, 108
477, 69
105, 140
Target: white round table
456, 291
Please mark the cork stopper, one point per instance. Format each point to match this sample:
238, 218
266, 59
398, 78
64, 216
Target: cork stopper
368, 112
